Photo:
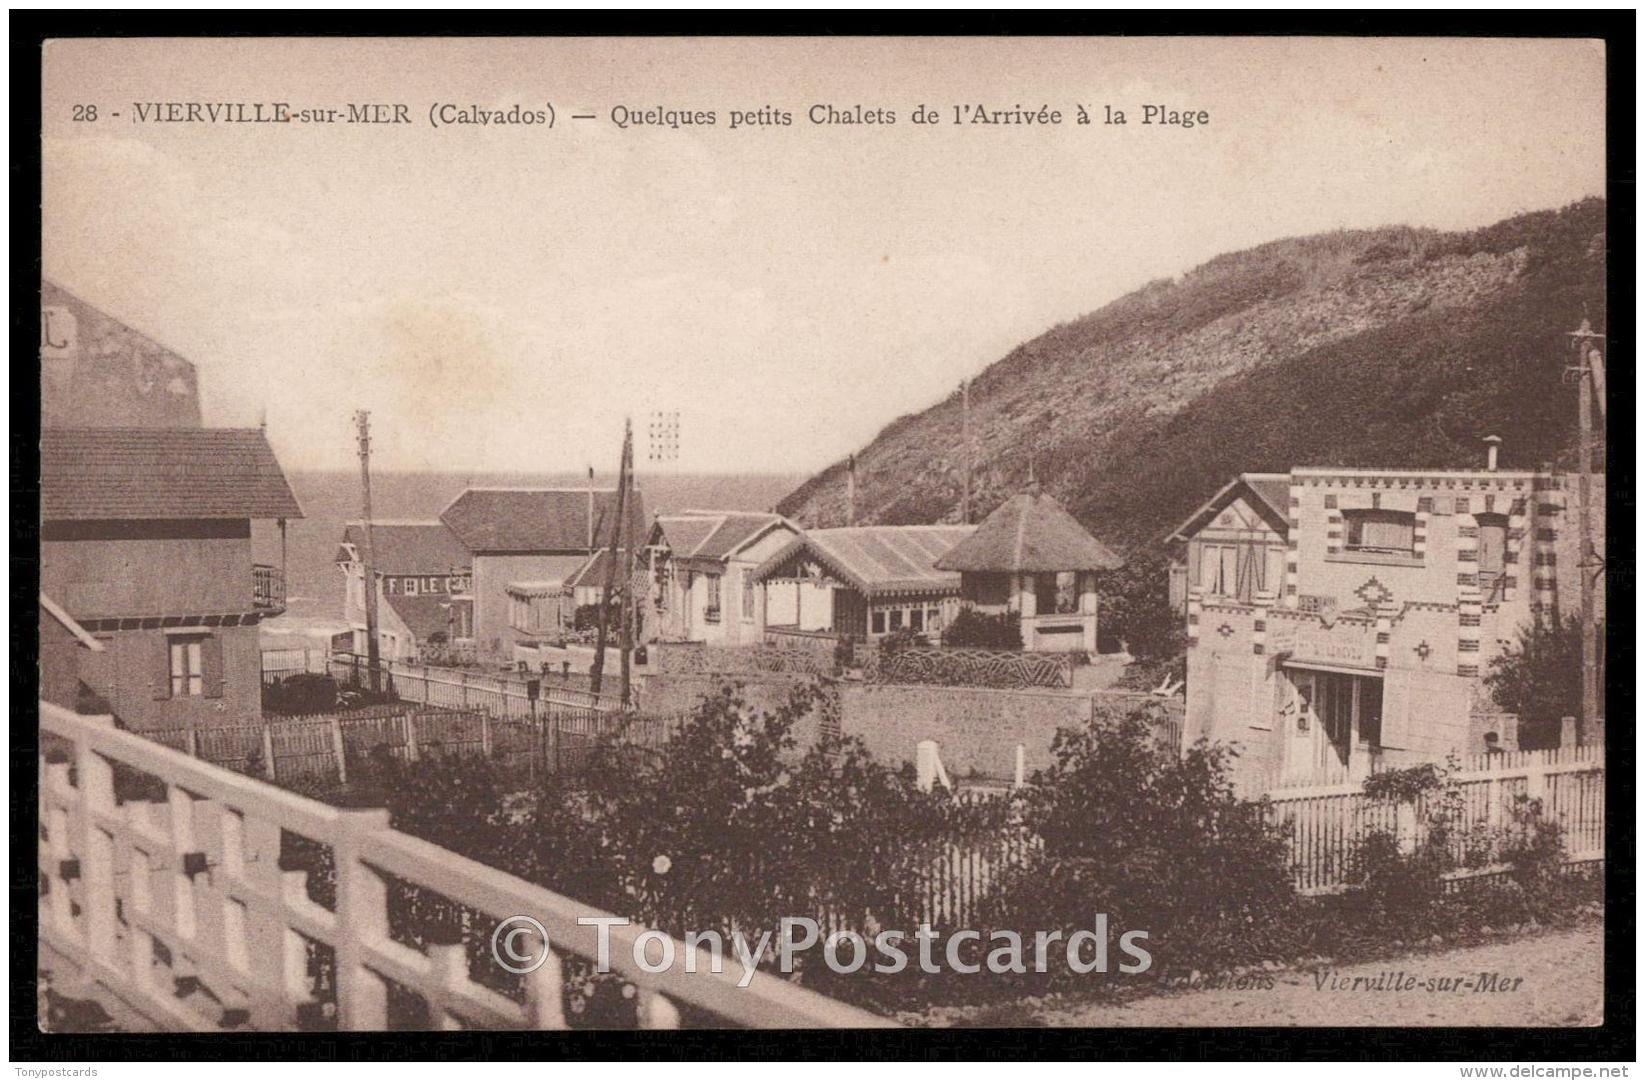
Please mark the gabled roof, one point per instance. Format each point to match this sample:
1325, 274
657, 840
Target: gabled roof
427, 547
714, 535
151, 473
593, 572
539, 519
1270, 492
1030, 533
878, 560
551, 574
423, 616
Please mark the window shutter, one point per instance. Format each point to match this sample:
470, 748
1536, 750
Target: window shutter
162, 669
1397, 691
211, 667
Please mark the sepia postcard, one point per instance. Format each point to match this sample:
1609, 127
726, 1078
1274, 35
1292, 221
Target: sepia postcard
590, 534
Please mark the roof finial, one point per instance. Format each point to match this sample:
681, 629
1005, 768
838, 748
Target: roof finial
1033, 477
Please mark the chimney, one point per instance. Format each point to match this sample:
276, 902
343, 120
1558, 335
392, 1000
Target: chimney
1492, 443
851, 490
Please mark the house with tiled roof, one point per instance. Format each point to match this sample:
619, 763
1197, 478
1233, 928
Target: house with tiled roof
425, 608
1031, 558
146, 547
863, 581
701, 564
535, 536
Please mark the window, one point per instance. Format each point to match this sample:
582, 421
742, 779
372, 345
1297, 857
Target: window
1219, 569
1380, 531
916, 620
711, 607
877, 622
188, 673
933, 620
411, 587
748, 596
896, 619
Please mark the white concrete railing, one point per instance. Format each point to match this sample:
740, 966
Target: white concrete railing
194, 885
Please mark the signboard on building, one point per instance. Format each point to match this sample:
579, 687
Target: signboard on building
1341, 645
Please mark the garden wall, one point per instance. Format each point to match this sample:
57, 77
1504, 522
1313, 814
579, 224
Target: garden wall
977, 729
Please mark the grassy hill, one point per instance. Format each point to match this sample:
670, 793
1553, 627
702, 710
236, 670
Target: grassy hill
1391, 347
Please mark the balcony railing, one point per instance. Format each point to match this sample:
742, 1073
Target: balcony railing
182, 888
268, 587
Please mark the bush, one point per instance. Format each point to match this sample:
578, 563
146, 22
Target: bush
1157, 843
1412, 892
1540, 676
983, 631
305, 692
1135, 604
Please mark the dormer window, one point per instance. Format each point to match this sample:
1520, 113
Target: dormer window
1386, 531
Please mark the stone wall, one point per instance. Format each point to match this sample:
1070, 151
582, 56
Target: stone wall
977, 729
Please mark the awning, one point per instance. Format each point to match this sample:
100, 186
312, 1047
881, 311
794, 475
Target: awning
1329, 666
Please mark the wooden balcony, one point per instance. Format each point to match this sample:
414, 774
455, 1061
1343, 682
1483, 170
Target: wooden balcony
268, 588
183, 887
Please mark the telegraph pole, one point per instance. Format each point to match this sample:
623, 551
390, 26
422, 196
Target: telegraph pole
626, 610
1587, 354
965, 440
362, 422
598, 671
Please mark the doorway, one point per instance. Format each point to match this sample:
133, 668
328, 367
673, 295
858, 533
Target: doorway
1336, 725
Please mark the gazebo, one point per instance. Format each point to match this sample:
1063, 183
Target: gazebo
1032, 558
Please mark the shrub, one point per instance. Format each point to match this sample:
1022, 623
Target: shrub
305, 692
1540, 676
1157, 843
1136, 607
899, 640
984, 631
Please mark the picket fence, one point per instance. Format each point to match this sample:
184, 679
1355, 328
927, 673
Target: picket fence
1325, 823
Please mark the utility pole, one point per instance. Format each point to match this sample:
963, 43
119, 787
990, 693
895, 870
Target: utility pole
851, 489
597, 673
965, 441
626, 611
1583, 338
362, 422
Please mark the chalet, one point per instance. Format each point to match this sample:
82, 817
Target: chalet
146, 550
1364, 646
1234, 544
702, 567
425, 608
862, 581
1030, 557
534, 539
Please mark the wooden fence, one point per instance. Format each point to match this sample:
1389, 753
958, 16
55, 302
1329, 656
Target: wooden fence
1326, 823
324, 747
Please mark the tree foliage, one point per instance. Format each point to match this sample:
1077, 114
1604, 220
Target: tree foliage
1539, 677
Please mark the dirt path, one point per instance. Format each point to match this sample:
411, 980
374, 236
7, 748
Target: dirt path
1552, 979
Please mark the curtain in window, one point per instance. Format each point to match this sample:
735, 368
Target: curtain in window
1386, 533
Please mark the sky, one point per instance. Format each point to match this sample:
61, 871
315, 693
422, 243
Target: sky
501, 297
